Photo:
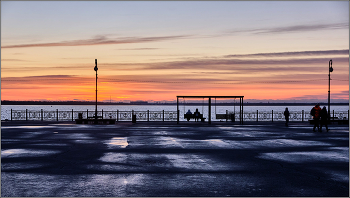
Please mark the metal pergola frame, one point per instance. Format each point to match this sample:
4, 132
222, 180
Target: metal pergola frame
209, 105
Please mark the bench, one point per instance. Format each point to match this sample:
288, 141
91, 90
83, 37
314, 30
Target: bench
189, 116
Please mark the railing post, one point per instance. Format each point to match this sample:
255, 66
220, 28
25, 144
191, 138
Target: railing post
147, 115
348, 114
72, 115
102, 114
272, 115
225, 116
302, 116
26, 114
42, 115
57, 114
257, 115
333, 114
178, 116
117, 114
87, 113
11, 114
163, 115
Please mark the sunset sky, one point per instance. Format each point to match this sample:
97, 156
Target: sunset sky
154, 50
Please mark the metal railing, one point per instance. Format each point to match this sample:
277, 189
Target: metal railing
42, 115
258, 116
293, 116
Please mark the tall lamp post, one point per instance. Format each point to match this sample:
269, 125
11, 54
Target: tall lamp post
329, 88
95, 68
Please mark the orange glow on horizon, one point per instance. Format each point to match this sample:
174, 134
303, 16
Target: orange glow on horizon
132, 92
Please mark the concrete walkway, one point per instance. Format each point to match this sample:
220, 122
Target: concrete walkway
152, 159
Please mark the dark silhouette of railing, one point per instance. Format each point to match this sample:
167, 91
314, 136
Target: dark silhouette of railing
42, 115
294, 115
272, 116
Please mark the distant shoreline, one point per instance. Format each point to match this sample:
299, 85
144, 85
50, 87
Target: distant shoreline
145, 103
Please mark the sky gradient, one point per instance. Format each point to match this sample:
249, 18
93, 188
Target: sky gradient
157, 50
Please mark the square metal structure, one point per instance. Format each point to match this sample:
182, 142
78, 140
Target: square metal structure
209, 105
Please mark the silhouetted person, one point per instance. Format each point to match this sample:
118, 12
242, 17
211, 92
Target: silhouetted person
196, 115
286, 115
189, 113
315, 112
324, 118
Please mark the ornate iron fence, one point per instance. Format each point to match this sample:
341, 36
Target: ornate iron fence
159, 115
19, 115
156, 115
293, 116
124, 115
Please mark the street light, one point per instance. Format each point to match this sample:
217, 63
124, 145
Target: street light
329, 88
95, 68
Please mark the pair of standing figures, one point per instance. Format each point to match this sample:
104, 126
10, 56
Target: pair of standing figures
320, 117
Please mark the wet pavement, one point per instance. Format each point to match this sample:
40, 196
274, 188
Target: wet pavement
152, 159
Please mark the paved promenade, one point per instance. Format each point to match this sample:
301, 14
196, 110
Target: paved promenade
152, 159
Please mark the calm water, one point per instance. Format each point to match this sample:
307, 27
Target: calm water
6, 109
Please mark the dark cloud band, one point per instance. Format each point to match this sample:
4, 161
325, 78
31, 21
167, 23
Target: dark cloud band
288, 54
102, 40
293, 28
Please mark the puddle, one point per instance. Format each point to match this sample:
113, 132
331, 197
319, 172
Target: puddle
118, 141
218, 143
21, 166
292, 143
78, 136
161, 133
304, 157
170, 142
114, 158
213, 140
32, 134
26, 153
25, 127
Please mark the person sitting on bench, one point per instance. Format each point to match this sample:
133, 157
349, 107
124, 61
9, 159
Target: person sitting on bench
189, 113
196, 115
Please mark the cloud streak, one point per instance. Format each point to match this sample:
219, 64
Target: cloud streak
14, 60
241, 64
288, 54
100, 40
294, 28
215, 66
145, 48
47, 80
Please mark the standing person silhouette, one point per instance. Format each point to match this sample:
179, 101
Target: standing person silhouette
315, 112
324, 118
196, 115
286, 115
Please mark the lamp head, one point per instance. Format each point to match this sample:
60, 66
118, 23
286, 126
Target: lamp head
330, 66
95, 68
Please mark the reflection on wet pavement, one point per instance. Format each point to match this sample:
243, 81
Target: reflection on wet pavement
118, 141
114, 157
25, 127
26, 153
148, 160
218, 143
21, 166
304, 157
